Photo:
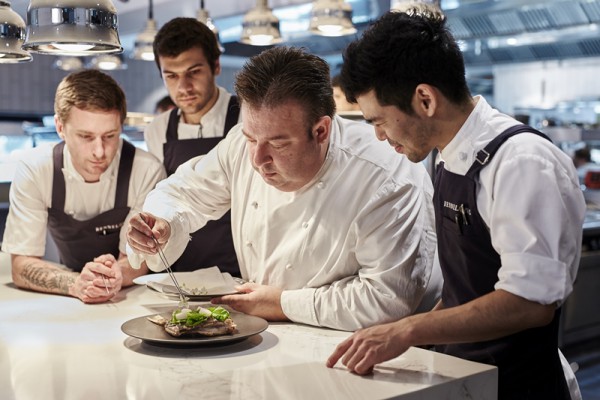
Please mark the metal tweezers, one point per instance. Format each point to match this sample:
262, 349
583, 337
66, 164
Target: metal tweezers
183, 301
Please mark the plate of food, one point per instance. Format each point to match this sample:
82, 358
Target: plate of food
199, 285
194, 326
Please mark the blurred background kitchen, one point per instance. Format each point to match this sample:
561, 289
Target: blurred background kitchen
538, 60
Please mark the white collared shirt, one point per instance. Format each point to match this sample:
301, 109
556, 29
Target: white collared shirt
353, 248
529, 197
31, 196
213, 125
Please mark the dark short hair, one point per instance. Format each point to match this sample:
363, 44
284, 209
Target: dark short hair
282, 74
398, 52
90, 90
181, 34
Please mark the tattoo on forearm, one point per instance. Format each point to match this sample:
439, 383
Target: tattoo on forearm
40, 277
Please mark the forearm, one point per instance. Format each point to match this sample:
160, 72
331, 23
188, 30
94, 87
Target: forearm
130, 273
489, 317
39, 275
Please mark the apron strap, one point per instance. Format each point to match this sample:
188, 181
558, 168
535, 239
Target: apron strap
58, 178
233, 114
487, 153
172, 125
125, 168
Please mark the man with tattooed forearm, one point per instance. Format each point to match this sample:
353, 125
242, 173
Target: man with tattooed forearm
80, 191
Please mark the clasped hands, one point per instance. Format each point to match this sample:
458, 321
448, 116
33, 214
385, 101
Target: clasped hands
99, 281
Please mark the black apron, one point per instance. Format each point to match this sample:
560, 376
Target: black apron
212, 244
528, 362
79, 242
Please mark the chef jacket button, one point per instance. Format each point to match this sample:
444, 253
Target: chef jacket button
288, 266
305, 225
248, 244
254, 204
321, 185
462, 156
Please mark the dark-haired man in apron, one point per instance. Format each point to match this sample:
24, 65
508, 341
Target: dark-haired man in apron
187, 55
509, 211
82, 191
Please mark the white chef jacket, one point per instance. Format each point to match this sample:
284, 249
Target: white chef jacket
213, 124
352, 248
539, 241
31, 196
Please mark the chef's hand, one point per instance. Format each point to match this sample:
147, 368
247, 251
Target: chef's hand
98, 281
254, 299
370, 346
142, 228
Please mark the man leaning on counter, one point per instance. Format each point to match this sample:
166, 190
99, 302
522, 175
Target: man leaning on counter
330, 226
81, 190
509, 211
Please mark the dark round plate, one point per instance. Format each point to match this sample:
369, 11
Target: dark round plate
141, 328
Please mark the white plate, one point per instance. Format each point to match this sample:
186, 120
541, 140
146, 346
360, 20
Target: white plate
211, 280
141, 328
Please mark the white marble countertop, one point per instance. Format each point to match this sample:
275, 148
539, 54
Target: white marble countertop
56, 347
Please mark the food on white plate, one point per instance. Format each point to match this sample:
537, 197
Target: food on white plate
211, 321
194, 291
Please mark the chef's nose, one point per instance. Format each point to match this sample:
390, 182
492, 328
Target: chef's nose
98, 147
380, 133
185, 82
261, 155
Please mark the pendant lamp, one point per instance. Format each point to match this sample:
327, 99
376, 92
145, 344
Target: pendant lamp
68, 63
203, 17
331, 18
12, 35
260, 26
143, 42
107, 62
72, 27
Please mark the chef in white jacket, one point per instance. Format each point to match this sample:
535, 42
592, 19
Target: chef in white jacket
330, 226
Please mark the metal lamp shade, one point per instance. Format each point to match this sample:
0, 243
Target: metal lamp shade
143, 49
260, 27
203, 17
72, 27
12, 35
331, 18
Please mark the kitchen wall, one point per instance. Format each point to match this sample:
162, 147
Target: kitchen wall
30, 87
545, 84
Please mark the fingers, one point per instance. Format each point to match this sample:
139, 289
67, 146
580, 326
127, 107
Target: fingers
140, 235
145, 230
339, 351
100, 280
354, 355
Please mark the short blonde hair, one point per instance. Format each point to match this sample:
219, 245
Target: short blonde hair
89, 90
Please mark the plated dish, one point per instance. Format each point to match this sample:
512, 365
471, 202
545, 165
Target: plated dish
142, 328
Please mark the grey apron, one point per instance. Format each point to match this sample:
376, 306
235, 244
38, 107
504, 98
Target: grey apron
528, 363
212, 244
79, 242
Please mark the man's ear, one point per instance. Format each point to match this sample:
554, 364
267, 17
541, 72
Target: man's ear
425, 100
321, 129
59, 127
217, 67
